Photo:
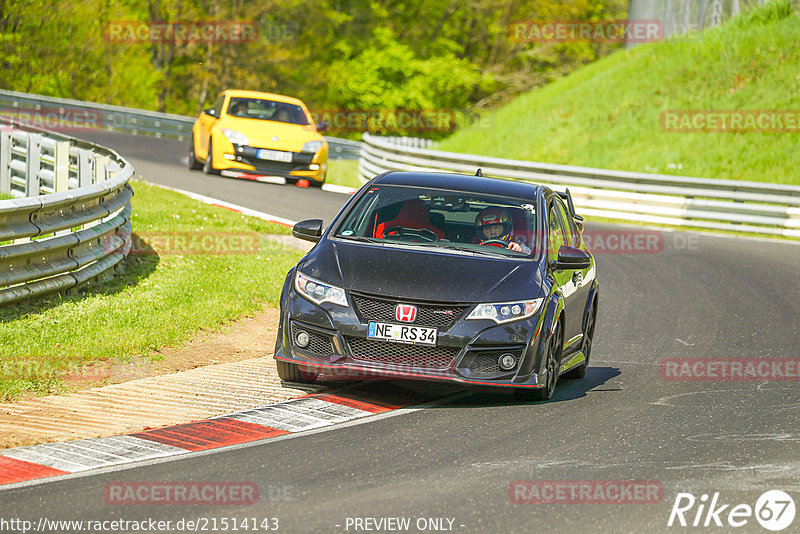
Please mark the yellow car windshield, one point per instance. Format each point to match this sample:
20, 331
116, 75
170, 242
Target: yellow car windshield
255, 108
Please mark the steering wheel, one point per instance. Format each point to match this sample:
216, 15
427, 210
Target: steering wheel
403, 232
496, 243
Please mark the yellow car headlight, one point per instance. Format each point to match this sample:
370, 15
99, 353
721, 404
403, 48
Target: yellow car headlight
312, 146
237, 138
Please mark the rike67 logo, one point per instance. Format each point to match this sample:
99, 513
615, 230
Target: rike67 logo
774, 510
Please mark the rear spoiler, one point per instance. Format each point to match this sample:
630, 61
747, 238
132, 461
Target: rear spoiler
568, 198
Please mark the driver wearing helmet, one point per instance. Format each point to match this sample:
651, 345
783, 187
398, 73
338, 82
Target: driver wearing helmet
494, 224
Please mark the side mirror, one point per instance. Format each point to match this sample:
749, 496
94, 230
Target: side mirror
571, 258
211, 112
310, 230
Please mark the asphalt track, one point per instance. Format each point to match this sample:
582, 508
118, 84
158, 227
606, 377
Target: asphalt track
697, 296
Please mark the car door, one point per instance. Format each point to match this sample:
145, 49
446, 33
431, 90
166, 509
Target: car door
556, 238
577, 283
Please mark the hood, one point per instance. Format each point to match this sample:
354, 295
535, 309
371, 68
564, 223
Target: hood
424, 275
260, 133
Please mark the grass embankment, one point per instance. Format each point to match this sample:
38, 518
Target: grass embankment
167, 292
343, 172
607, 114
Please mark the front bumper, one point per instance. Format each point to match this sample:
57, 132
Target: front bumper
466, 351
303, 164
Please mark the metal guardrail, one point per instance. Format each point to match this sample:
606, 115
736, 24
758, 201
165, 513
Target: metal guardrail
678, 17
70, 219
762, 208
90, 115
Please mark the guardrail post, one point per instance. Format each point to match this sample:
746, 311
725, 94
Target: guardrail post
5, 161
100, 170
61, 166
85, 168
34, 165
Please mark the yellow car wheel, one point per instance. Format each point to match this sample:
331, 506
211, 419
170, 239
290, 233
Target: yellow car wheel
208, 166
193, 164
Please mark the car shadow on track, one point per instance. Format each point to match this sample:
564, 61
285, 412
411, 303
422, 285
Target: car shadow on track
401, 393
566, 389
569, 389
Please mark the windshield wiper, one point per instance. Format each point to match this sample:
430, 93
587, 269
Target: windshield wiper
361, 239
491, 253
462, 250
418, 245
455, 248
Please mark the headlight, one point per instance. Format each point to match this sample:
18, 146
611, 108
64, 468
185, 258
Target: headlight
319, 292
312, 146
237, 138
504, 312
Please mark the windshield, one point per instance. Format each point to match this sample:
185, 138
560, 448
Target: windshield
254, 108
476, 223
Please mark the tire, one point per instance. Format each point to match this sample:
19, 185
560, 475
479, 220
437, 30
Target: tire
193, 164
580, 372
551, 366
208, 165
291, 372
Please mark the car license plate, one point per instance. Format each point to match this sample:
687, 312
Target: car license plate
400, 333
274, 155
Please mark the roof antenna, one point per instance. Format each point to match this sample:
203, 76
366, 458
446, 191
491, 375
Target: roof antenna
479, 173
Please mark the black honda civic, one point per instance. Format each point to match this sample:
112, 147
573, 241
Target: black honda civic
437, 276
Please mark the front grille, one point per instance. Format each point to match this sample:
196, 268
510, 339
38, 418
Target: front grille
441, 316
270, 166
318, 343
385, 352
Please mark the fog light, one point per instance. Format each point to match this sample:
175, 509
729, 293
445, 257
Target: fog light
229, 156
302, 339
313, 167
507, 361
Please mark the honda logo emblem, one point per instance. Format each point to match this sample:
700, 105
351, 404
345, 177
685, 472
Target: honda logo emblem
405, 313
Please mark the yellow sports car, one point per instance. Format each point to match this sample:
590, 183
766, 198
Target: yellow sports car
259, 133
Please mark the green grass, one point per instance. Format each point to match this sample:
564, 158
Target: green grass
607, 114
160, 300
4, 196
343, 172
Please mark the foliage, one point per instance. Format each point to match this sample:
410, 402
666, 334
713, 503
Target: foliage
334, 54
608, 114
